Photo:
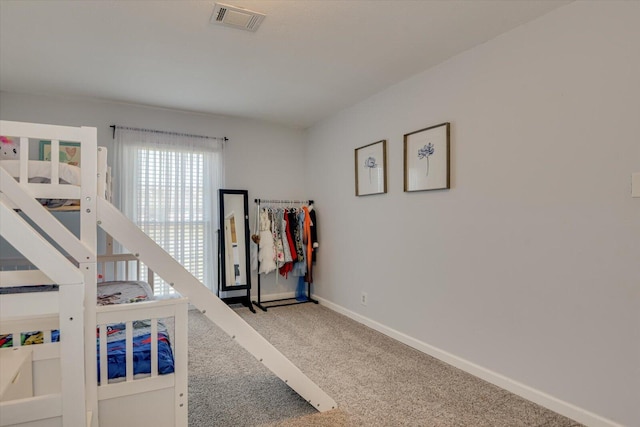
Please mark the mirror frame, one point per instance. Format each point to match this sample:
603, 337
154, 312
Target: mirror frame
222, 285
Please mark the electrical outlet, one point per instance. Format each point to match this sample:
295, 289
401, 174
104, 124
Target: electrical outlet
363, 298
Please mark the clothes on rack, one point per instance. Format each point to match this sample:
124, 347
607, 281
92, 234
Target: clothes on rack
291, 255
288, 240
296, 233
266, 249
308, 243
314, 231
300, 267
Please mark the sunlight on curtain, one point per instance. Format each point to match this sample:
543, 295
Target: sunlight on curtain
167, 184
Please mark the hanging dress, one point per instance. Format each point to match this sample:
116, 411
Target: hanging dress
266, 254
300, 267
290, 250
285, 238
308, 242
276, 224
295, 235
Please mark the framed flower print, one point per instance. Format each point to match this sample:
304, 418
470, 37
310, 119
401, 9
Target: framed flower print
427, 159
371, 169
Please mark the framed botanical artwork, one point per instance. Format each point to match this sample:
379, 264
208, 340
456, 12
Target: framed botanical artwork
427, 159
371, 169
69, 152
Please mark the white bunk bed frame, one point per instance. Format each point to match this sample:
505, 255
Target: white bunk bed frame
63, 393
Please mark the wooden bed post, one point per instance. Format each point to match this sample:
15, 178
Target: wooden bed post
181, 349
88, 267
56, 266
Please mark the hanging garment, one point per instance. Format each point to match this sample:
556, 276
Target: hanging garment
292, 245
266, 254
314, 231
287, 266
285, 238
277, 238
300, 267
301, 290
255, 240
291, 254
308, 243
295, 235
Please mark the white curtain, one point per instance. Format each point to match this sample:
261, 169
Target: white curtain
168, 185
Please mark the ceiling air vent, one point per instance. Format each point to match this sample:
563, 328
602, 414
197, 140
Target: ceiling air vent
236, 17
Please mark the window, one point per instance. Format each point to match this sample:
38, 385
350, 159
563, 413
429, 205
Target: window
167, 184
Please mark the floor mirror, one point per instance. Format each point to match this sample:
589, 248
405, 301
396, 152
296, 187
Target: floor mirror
234, 278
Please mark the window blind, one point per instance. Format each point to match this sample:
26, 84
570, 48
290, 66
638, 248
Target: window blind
167, 185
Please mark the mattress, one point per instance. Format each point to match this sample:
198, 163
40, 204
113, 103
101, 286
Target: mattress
28, 289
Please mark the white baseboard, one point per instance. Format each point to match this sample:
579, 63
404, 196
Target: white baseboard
543, 399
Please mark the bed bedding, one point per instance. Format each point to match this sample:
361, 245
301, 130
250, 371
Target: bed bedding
119, 292
41, 169
40, 173
28, 338
116, 350
54, 203
125, 292
34, 337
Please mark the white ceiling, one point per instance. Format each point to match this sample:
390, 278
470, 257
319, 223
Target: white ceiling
308, 60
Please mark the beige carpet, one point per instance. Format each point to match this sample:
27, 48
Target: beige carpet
376, 381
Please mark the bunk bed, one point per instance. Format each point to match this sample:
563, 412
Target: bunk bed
143, 367
140, 373
69, 381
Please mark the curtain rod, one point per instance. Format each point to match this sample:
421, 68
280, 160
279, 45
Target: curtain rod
258, 201
114, 127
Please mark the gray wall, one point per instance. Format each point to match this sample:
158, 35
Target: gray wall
529, 267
